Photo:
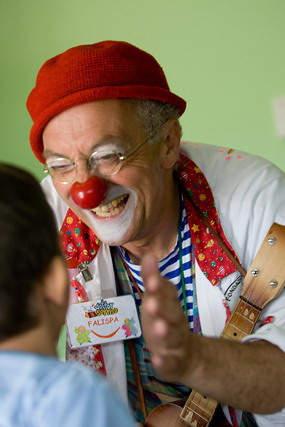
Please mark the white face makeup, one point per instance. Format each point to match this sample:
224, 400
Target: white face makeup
111, 220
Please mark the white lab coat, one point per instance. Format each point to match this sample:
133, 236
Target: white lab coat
249, 193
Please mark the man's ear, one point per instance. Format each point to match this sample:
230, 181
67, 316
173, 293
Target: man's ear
171, 135
55, 282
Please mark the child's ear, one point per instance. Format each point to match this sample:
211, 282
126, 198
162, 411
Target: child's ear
171, 136
55, 282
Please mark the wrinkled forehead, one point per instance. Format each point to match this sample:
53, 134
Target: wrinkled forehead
106, 122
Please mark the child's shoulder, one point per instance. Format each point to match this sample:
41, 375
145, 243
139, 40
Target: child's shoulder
44, 372
53, 391
37, 377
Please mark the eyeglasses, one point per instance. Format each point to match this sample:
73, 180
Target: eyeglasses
100, 163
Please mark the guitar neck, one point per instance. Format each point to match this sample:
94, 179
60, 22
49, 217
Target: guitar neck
198, 409
242, 321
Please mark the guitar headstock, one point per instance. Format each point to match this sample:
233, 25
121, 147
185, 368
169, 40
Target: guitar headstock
265, 278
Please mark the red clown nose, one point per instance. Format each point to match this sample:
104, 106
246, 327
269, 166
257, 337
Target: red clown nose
89, 194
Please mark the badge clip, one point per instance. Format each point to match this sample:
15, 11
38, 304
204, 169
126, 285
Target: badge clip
84, 270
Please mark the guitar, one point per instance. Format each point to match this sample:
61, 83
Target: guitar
263, 282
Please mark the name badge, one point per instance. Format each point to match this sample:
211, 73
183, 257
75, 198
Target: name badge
102, 321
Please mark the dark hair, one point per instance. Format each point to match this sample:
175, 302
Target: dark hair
28, 243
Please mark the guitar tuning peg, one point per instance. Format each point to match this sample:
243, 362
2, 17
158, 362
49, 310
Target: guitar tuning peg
273, 283
255, 272
271, 241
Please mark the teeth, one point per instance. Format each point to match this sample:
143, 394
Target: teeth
110, 208
108, 214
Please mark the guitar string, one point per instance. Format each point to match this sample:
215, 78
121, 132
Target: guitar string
194, 411
206, 400
263, 298
253, 308
247, 305
242, 319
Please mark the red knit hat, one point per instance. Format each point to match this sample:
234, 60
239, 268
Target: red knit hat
104, 70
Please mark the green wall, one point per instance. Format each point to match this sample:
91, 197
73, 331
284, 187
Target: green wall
225, 57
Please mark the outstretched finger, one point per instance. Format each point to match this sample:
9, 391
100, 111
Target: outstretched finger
153, 281
150, 273
158, 306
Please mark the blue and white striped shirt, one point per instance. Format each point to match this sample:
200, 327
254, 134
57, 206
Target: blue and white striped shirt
170, 268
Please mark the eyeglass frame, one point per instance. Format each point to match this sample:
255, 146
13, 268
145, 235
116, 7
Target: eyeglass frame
121, 157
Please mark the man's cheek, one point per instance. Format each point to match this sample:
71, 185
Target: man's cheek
63, 192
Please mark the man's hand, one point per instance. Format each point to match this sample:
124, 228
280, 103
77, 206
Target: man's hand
225, 370
165, 326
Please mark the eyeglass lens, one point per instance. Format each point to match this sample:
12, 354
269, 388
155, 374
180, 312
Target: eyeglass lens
107, 164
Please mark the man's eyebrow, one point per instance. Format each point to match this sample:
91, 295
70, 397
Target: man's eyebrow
49, 153
108, 139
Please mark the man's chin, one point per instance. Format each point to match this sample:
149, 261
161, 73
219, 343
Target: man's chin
112, 224
110, 241
112, 231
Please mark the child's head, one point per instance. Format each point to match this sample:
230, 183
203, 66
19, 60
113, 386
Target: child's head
28, 246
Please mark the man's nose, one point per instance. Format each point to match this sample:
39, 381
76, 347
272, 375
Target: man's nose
83, 173
90, 193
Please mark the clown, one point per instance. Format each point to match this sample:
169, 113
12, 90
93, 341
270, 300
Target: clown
106, 127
